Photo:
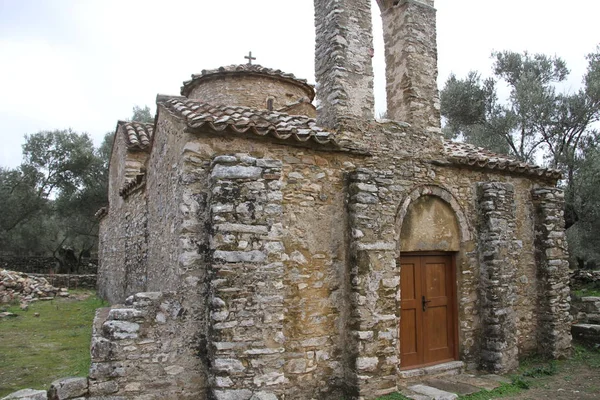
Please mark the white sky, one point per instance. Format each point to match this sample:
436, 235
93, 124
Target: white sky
84, 64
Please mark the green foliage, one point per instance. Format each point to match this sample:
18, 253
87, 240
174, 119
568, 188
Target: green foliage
590, 290
51, 198
142, 115
584, 206
38, 350
534, 117
49, 201
537, 120
59, 159
503, 390
541, 370
587, 356
393, 396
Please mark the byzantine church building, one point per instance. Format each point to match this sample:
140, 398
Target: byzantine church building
258, 248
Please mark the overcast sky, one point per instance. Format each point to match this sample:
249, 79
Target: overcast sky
84, 64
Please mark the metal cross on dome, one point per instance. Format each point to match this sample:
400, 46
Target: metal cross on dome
250, 58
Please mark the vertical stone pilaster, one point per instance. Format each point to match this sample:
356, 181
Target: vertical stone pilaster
343, 67
497, 258
554, 326
373, 349
246, 338
409, 32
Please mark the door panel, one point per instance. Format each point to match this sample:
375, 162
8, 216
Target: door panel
410, 319
427, 326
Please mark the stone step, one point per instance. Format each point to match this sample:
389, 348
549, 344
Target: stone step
587, 333
450, 387
445, 369
431, 393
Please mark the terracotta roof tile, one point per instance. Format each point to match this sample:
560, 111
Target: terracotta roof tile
468, 154
137, 135
101, 213
199, 115
245, 69
131, 185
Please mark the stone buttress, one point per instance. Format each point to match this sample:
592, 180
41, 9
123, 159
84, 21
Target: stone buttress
554, 335
246, 338
497, 257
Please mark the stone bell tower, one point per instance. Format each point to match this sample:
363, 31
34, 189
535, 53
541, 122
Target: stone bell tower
343, 68
409, 33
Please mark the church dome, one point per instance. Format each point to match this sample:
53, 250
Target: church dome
249, 85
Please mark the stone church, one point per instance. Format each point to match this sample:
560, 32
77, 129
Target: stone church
258, 247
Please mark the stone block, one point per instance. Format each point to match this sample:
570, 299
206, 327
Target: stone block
243, 394
433, 393
263, 396
119, 330
125, 314
103, 349
235, 172
103, 388
254, 256
68, 388
27, 394
107, 370
228, 365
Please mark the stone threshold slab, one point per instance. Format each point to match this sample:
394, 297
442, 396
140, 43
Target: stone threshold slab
449, 368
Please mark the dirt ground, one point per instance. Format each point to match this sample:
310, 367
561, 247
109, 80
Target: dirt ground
577, 378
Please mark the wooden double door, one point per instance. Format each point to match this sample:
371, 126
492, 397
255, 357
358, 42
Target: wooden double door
428, 323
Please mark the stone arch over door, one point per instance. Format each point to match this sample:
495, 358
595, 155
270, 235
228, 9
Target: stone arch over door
441, 199
432, 229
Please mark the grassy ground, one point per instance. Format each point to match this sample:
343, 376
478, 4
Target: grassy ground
591, 289
575, 378
34, 351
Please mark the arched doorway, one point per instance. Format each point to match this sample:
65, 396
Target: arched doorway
430, 238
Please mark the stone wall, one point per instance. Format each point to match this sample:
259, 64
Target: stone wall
164, 189
43, 265
138, 351
70, 281
497, 257
331, 261
246, 298
124, 249
248, 91
554, 325
586, 310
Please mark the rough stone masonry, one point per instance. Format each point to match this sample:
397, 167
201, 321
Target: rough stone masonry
252, 251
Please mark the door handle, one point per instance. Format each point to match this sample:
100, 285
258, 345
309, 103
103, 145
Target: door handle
424, 302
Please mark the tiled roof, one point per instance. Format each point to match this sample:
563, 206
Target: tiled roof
131, 185
137, 135
244, 120
101, 213
468, 154
245, 69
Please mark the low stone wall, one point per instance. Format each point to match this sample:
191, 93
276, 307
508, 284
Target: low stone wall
42, 265
70, 281
586, 333
586, 310
137, 348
